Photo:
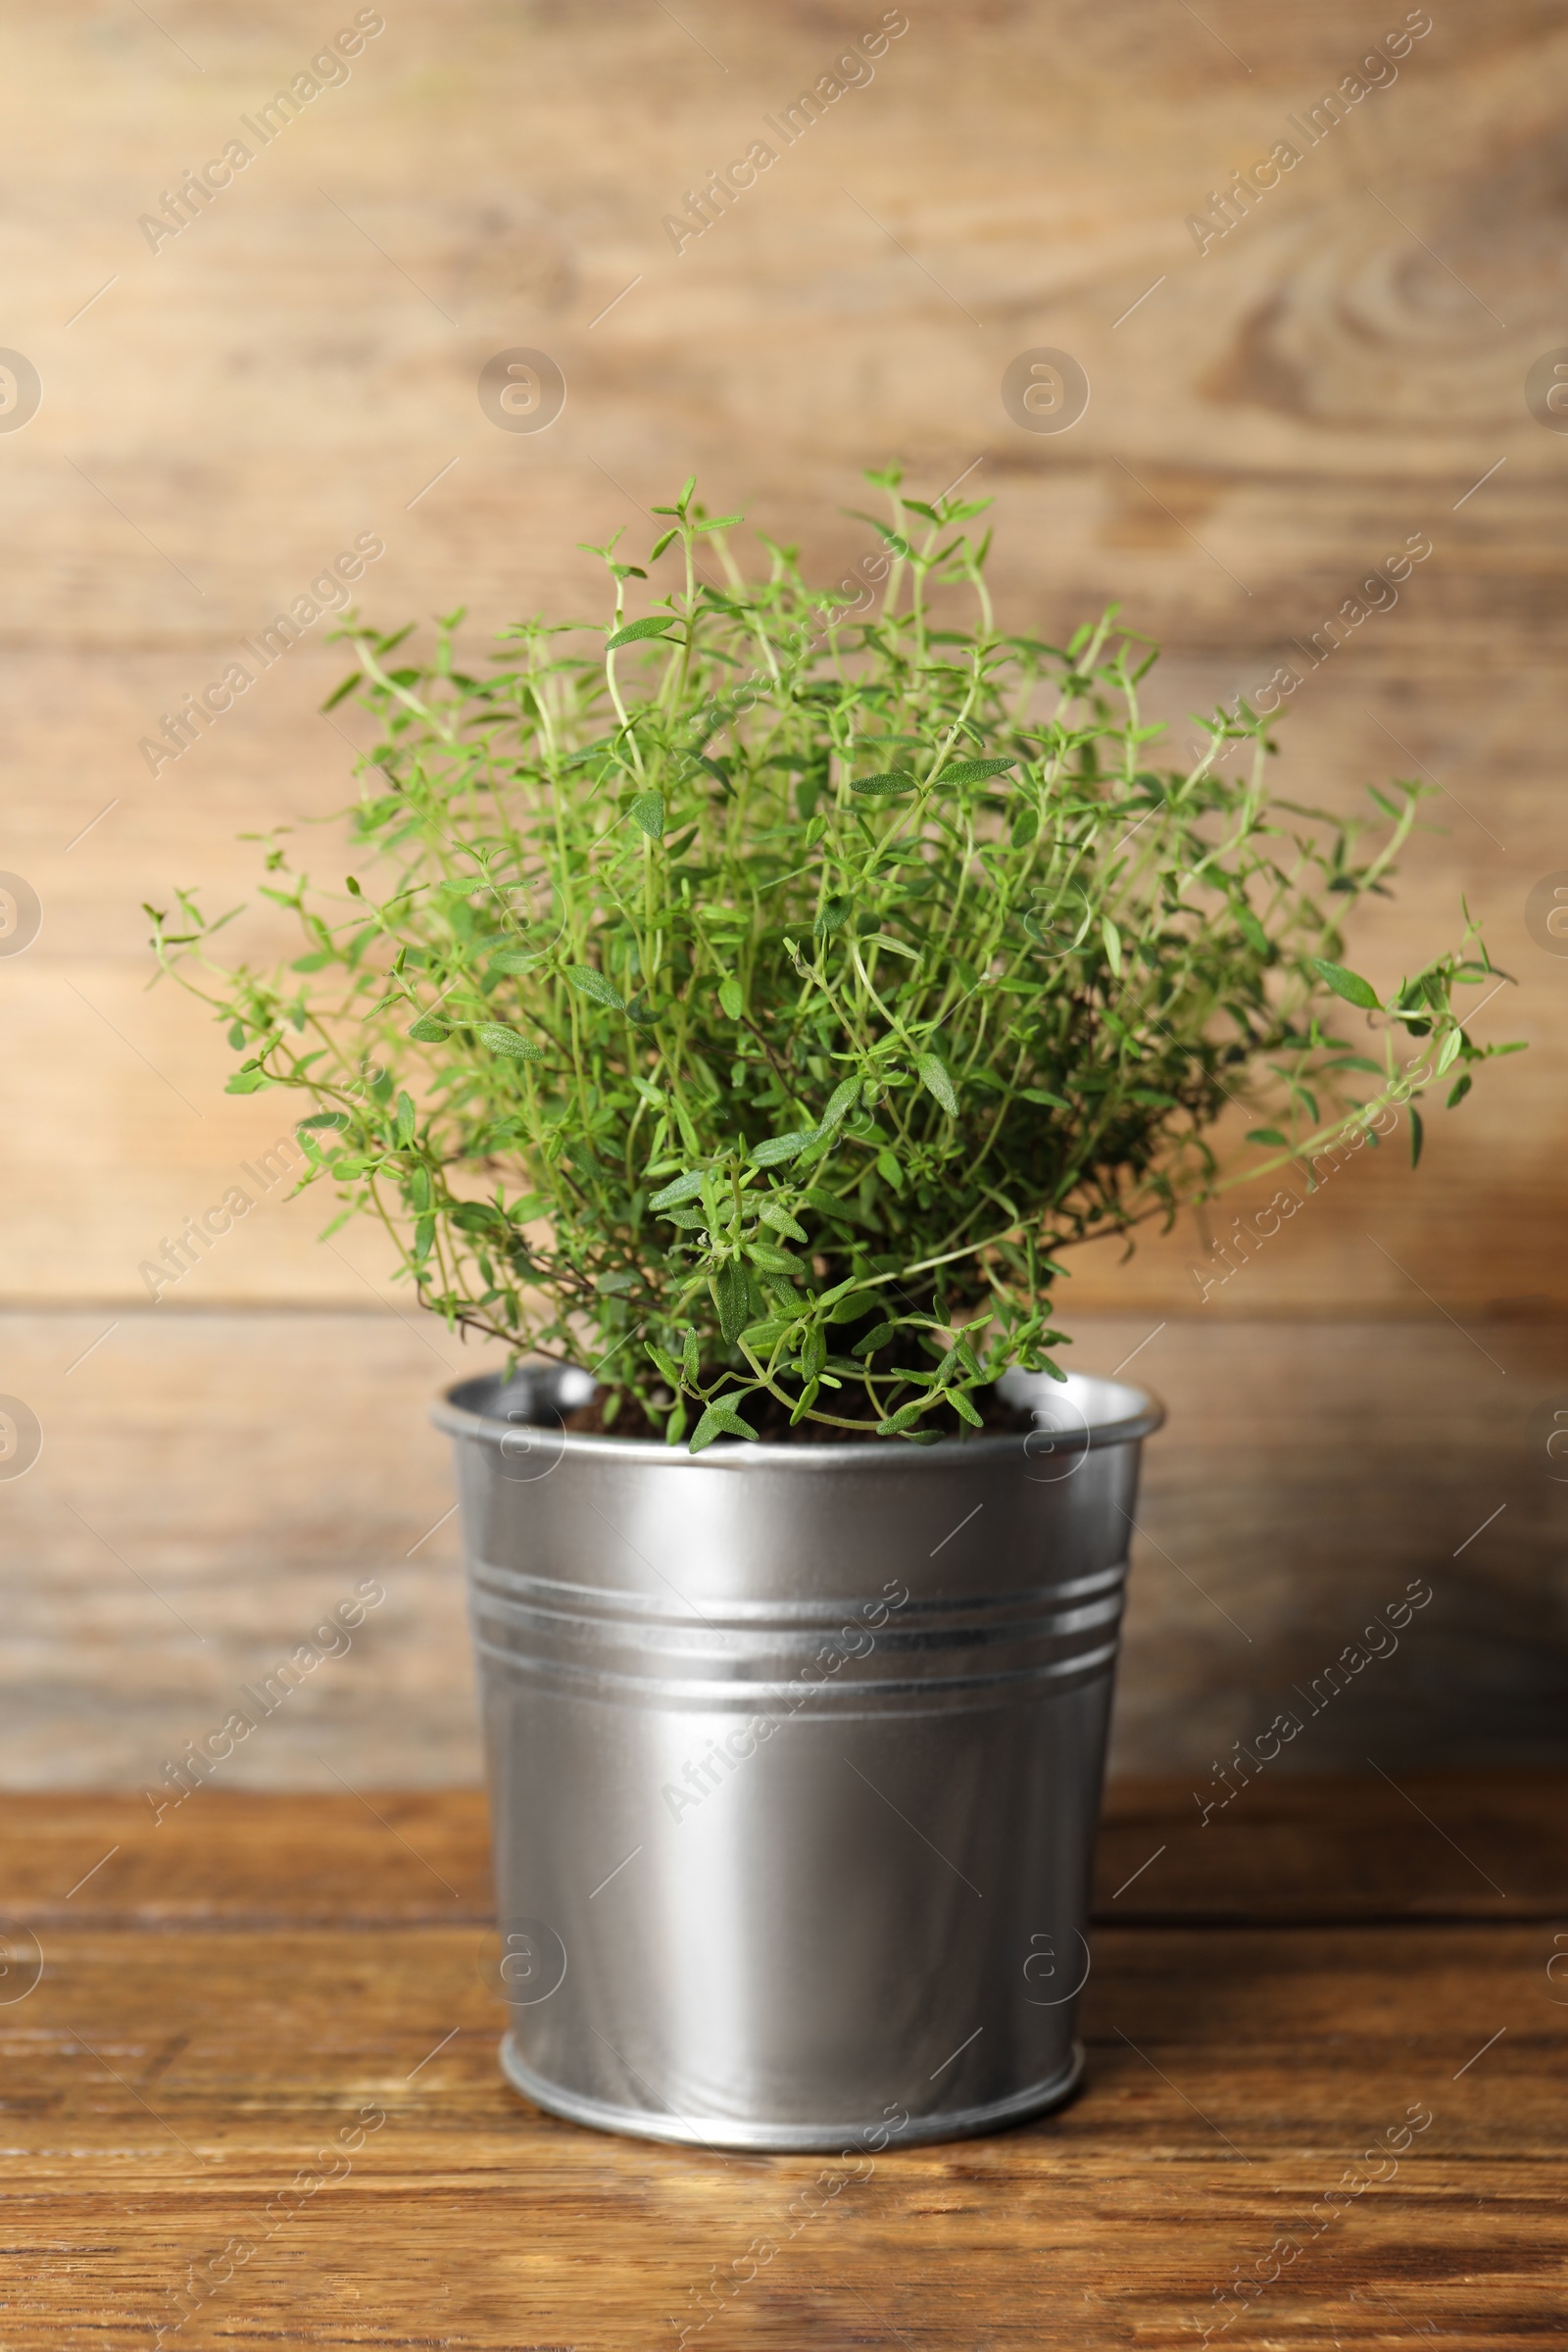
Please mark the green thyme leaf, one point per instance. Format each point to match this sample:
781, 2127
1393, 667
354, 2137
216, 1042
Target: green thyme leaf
777, 1148
935, 1079
974, 771
506, 1041
719, 1420
685, 1188
1348, 985
591, 983
657, 624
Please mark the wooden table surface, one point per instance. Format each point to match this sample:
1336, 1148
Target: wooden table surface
1326, 1966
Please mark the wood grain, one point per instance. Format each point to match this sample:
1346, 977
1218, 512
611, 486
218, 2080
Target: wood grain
211, 1485
1341, 1851
300, 363
1268, 418
179, 2063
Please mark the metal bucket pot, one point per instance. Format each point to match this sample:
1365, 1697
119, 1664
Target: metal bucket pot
795, 1758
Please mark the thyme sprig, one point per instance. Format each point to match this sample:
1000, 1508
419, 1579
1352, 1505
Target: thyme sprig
757, 1003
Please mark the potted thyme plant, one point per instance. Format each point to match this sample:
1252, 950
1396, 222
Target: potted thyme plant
736, 1013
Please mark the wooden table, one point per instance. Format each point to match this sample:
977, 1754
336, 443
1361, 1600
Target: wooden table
1306, 1977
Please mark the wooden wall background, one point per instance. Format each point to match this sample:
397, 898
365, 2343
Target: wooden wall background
1268, 420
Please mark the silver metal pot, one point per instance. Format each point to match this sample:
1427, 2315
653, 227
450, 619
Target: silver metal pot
795, 1758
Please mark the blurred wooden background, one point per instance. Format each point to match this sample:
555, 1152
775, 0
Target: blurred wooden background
1268, 421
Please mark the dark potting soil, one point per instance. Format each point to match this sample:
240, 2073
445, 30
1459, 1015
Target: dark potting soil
772, 1422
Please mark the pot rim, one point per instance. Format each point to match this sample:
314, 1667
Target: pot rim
461, 1412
